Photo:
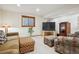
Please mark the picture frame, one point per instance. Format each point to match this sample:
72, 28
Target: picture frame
28, 21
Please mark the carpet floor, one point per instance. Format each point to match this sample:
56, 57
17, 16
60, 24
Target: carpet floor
41, 48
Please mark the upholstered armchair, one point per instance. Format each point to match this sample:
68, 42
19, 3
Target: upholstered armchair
2, 37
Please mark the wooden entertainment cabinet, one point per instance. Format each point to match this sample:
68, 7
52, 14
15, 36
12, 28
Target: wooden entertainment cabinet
64, 28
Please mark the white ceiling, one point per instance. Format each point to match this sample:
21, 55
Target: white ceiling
47, 10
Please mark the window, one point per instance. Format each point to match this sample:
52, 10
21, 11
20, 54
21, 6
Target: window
28, 21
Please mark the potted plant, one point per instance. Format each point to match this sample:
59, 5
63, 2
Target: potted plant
30, 30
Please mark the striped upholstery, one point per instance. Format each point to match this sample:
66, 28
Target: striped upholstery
2, 37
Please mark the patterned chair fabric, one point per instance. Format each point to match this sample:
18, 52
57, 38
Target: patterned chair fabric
76, 34
67, 45
2, 37
49, 40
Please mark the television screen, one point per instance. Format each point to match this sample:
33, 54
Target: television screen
49, 26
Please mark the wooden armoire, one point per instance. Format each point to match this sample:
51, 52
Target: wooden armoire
64, 28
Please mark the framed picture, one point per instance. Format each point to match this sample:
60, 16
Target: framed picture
28, 21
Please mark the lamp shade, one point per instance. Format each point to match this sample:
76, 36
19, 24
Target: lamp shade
6, 26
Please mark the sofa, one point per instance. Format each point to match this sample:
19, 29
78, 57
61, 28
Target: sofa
16, 44
11, 43
10, 47
76, 34
67, 45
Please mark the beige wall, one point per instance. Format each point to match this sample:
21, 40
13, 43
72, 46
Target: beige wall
0, 18
78, 22
14, 20
73, 19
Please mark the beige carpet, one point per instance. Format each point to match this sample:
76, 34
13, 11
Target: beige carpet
41, 48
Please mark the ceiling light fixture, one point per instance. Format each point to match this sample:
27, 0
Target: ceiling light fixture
37, 9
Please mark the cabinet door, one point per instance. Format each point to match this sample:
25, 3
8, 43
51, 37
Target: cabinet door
63, 29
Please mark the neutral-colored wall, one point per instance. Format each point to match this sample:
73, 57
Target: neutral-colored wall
14, 20
0, 18
73, 19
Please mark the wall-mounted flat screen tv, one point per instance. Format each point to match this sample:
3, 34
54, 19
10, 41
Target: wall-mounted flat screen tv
48, 26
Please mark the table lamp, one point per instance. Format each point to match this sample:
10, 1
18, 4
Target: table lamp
6, 26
